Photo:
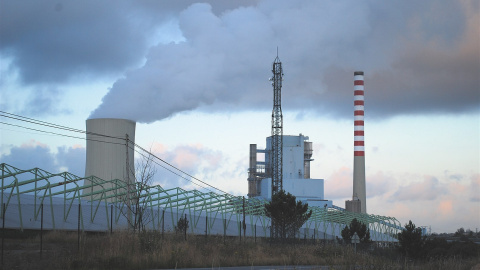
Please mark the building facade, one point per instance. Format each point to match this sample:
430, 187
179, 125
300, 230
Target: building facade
297, 156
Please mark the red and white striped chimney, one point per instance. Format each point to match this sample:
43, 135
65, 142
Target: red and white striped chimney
358, 91
359, 190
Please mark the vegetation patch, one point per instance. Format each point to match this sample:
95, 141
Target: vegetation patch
152, 250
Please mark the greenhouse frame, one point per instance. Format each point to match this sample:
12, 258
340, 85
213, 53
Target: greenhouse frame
60, 201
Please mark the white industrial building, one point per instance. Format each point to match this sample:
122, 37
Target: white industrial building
297, 155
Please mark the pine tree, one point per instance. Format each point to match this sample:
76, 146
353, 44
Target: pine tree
411, 241
287, 214
356, 227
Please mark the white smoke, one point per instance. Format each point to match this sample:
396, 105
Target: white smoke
225, 59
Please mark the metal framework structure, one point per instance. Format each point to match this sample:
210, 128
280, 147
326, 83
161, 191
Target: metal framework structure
277, 128
65, 191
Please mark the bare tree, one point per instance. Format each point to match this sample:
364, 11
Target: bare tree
135, 197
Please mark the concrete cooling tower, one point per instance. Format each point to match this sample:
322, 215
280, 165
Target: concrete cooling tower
107, 154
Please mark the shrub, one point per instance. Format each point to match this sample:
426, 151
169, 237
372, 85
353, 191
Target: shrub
356, 227
182, 225
411, 241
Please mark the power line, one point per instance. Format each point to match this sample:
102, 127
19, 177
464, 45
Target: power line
183, 177
52, 125
58, 134
191, 176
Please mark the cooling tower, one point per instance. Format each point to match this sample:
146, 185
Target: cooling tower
107, 153
359, 190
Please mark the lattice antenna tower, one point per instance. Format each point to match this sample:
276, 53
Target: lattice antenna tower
277, 127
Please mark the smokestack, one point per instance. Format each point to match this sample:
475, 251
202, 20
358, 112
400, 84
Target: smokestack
252, 172
107, 151
359, 190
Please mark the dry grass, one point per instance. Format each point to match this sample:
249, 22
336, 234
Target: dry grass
124, 250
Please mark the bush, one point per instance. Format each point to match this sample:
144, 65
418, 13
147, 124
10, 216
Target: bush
411, 241
356, 227
182, 225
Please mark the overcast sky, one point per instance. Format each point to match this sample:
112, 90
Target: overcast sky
194, 75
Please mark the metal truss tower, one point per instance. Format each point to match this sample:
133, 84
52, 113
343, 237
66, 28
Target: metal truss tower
277, 128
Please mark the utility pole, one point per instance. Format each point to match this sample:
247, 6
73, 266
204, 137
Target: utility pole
244, 225
129, 195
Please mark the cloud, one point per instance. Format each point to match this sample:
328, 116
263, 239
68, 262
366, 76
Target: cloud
445, 204
72, 159
445, 207
429, 189
189, 157
412, 66
379, 184
475, 188
222, 53
445, 215
30, 155
339, 185
44, 101
195, 160
34, 154
203, 163
53, 42
210, 166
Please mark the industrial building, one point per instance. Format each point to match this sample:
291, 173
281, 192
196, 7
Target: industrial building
297, 155
286, 159
285, 163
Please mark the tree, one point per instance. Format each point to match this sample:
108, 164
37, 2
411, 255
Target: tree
182, 225
356, 227
460, 232
287, 214
411, 240
135, 197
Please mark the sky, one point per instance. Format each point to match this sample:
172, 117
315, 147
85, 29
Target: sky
194, 76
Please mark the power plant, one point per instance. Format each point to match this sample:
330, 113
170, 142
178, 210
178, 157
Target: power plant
286, 159
284, 164
297, 153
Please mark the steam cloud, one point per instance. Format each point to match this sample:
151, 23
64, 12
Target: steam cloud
225, 60
418, 58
